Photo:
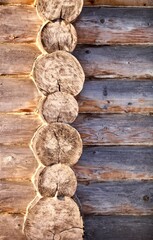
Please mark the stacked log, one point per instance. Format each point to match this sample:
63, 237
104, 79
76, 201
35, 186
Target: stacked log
57, 146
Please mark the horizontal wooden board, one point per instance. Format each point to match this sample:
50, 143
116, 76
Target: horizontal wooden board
14, 99
141, 3
17, 58
4, 2
118, 227
116, 61
15, 196
11, 226
98, 129
103, 26
98, 164
116, 198
116, 96
18, 129
17, 162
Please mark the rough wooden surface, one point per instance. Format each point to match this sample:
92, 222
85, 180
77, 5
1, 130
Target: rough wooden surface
58, 35
58, 71
116, 198
16, 195
102, 26
14, 99
98, 164
116, 96
16, 2
17, 162
116, 61
11, 226
57, 143
118, 227
52, 218
58, 179
55, 9
18, 129
59, 107
97, 129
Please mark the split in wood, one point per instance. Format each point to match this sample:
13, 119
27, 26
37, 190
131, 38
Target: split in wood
59, 107
58, 71
58, 35
54, 219
57, 179
57, 143
68, 10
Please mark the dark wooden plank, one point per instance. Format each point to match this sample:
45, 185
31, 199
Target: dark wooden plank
17, 162
139, 3
116, 96
98, 129
17, 58
103, 26
99, 164
14, 99
116, 198
116, 61
118, 227
11, 226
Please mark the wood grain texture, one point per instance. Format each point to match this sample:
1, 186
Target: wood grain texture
5, 2
118, 227
98, 129
138, 3
116, 198
116, 96
11, 226
116, 61
14, 99
18, 129
17, 58
110, 26
17, 162
15, 196
98, 164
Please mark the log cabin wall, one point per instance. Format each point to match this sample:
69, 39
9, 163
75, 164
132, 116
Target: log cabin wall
115, 172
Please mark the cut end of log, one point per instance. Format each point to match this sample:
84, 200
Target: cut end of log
53, 218
68, 10
58, 179
60, 107
57, 35
58, 71
57, 143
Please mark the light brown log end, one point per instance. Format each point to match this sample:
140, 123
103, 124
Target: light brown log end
54, 219
58, 35
58, 71
68, 10
59, 179
60, 107
57, 143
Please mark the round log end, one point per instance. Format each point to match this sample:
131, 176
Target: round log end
58, 72
57, 143
60, 107
59, 179
53, 218
68, 10
58, 35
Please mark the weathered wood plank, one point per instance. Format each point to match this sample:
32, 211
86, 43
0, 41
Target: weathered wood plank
18, 129
17, 58
116, 198
116, 61
140, 3
15, 196
116, 96
99, 164
115, 26
98, 129
18, 24
14, 99
16, 2
11, 226
118, 227
17, 162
